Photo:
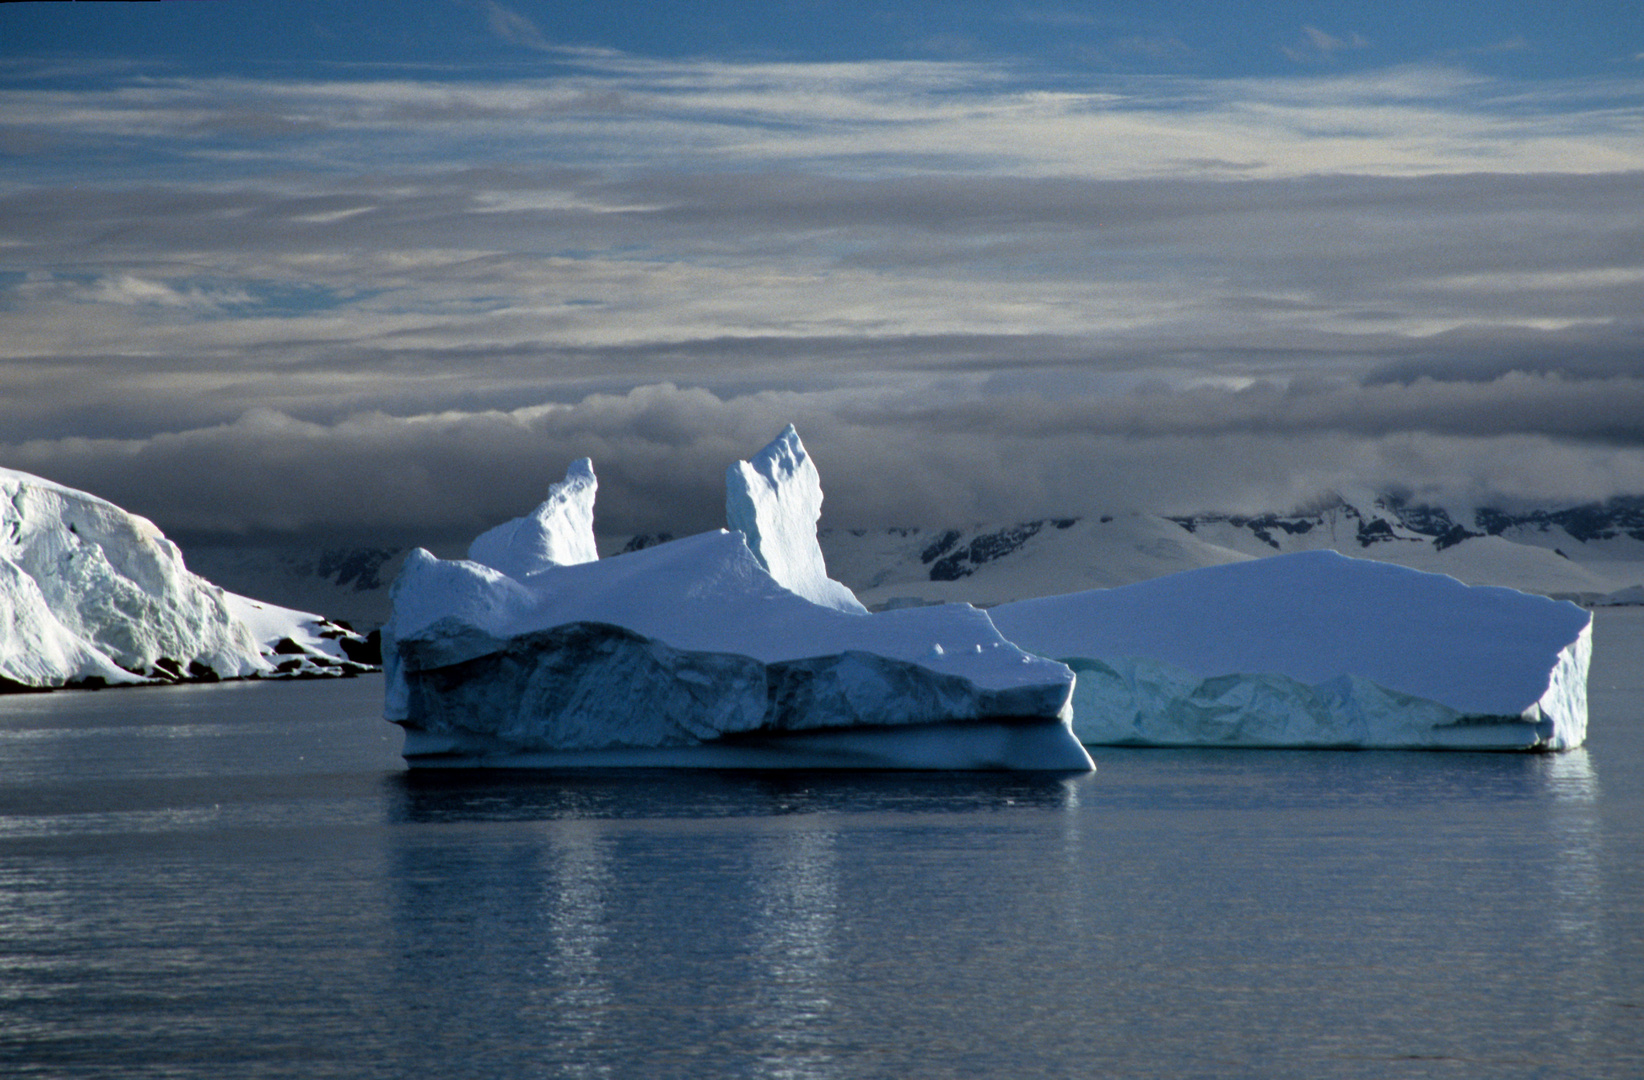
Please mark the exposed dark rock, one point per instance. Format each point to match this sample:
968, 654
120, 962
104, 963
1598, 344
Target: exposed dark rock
939, 547
366, 651
982, 549
1452, 536
1623, 515
1375, 532
645, 540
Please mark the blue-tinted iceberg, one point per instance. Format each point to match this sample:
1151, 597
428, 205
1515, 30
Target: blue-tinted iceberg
560, 532
775, 501
691, 653
1315, 649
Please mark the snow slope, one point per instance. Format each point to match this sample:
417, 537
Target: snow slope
558, 533
1315, 649
93, 595
1588, 554
990, 565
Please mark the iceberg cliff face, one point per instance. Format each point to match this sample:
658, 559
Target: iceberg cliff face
93, 595
110, 598
560, 532
1316, 649
694, 653
775, 501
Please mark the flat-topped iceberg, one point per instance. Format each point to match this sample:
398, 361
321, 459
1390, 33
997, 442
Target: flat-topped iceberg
1315, 649
692, 653
92, 595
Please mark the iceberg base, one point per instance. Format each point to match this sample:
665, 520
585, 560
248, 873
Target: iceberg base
1135, 702
1030, 745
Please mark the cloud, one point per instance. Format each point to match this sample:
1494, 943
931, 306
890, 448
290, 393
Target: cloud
514, 28
403, 305
1317, 46
438, 479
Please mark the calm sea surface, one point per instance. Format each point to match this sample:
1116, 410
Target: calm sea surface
241, 881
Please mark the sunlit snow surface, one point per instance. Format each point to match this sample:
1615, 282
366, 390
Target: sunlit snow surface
560, 532
775, 501
91, 594
1315, 649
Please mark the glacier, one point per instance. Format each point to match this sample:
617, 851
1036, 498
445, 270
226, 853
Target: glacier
91, 595
1315, 649
695, 653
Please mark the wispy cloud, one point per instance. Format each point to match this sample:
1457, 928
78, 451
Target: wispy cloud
514, 28
982, 294
1316, 46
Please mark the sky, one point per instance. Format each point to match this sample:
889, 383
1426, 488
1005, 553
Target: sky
383, 270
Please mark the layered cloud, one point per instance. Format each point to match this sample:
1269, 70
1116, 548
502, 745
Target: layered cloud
983, 291
661, 452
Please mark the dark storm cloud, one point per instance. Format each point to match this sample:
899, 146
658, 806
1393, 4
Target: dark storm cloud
661, 451
1601, 411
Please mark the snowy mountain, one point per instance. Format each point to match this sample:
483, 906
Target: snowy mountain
1592, 554
91, 595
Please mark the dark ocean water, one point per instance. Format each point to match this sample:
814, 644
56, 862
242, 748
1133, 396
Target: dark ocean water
241, 881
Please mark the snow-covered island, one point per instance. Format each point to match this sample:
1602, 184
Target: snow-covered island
1315, 650
93, 596
727, 649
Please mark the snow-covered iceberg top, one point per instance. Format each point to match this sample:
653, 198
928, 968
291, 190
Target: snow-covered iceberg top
1315, 649
93, 595
775, 501
694, 653
560, 532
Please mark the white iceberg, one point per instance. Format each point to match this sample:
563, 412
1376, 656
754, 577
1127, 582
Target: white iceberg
775, 501
1315, 649
92, 595
691, 653
560, 532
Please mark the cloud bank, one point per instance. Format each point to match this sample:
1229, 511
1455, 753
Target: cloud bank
245, 305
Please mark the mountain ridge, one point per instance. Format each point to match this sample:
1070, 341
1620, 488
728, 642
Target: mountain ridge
1592, 553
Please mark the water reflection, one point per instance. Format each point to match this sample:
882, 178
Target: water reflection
434, 796
1577, 898
574, 902
795, 888
1306, 780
